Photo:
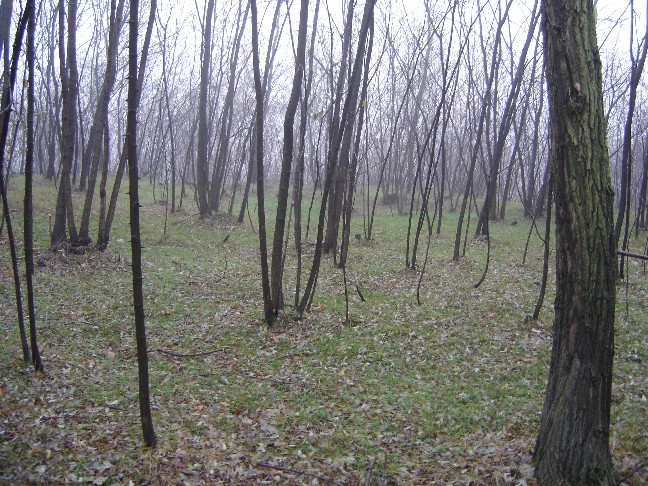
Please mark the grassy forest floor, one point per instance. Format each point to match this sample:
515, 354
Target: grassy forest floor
446, 392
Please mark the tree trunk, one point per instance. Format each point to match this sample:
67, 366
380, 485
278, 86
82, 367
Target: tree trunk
218, 176
642, 207
349, 104
136, 243
5, 112
28, 218
626, 159
69, 86
258, 89
104, 231
503, 131
572, 445
202, 170
286, 163
92, 153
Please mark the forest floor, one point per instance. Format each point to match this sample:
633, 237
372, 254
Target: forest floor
446, 392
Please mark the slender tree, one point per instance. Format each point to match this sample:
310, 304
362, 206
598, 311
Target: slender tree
202, 168
136, 242
92, 152
636, 70
28, 228
103, 235
286, 162
573, 441
69, 87
8, 84
258, 134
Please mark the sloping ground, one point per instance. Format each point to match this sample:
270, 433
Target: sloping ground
448, 392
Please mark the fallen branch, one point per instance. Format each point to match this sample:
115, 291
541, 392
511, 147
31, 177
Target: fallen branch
632, 255
296, 471
185, 219
294, 355
182, 355
632, 473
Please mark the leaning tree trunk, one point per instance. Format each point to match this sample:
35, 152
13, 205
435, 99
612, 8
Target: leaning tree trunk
572, 445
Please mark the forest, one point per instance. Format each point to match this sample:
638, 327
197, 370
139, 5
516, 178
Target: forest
309, 242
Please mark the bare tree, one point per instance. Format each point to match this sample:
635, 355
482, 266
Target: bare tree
136, 243
258, 136
286, 163
636, 70
28, 228
222, 151
97, 130
485, 107
202, 174
103, 235
8, 83
69, 85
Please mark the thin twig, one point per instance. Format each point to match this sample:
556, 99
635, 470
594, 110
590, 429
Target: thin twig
185, 219
182, 355
296, 471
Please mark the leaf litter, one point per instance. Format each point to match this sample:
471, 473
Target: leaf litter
449, 392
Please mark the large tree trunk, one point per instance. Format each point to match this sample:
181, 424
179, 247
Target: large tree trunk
572, 445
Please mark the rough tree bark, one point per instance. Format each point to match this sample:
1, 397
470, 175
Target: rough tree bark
572, 445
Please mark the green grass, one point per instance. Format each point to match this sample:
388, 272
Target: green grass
444, 391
